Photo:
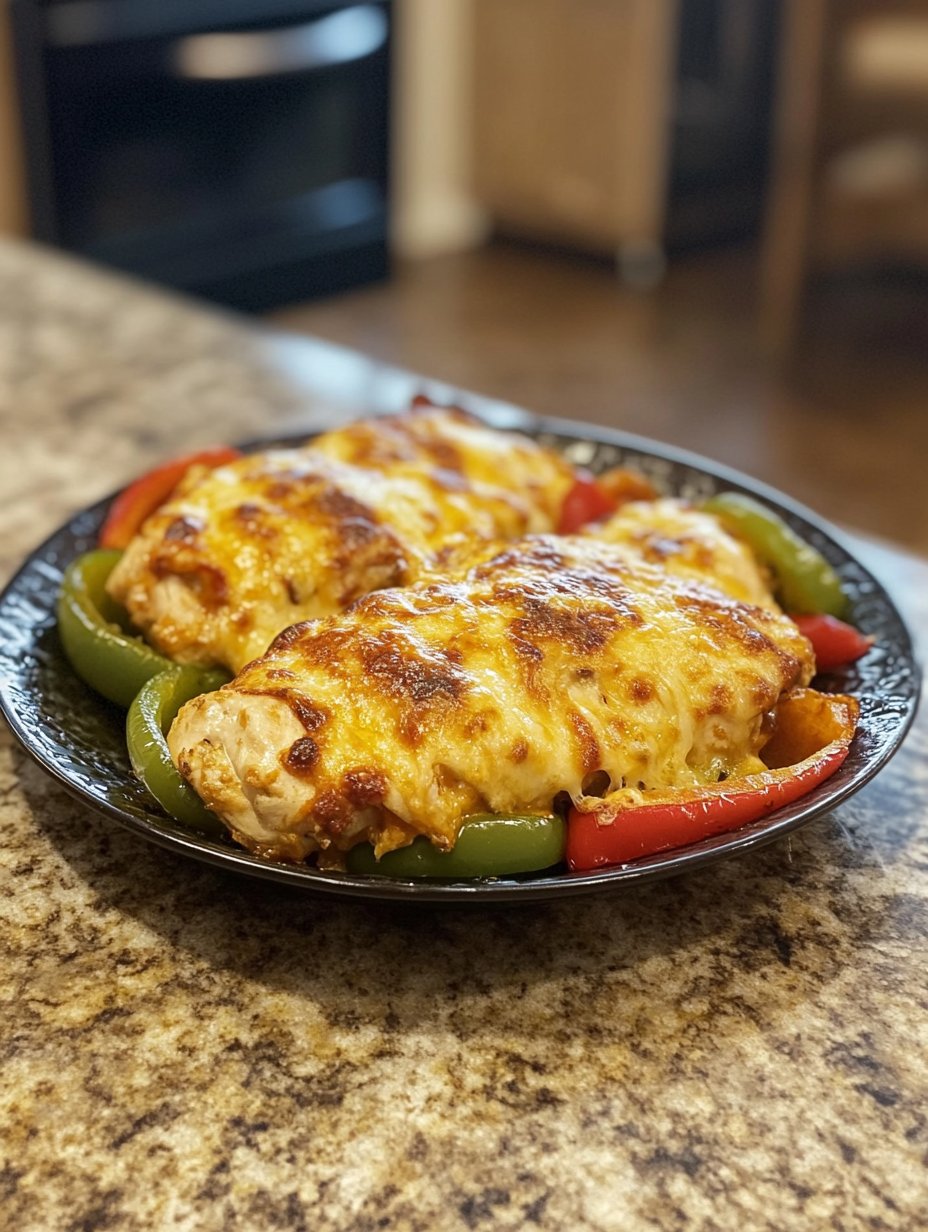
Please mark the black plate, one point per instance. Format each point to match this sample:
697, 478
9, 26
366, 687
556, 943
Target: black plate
79, 739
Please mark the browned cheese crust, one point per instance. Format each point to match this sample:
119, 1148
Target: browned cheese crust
558, 664
243, 551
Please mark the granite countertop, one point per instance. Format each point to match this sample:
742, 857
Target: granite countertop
742, 1048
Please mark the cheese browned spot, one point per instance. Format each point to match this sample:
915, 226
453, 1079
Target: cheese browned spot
576, 668
241, 552
641, 690
587, 746
363, 786
302, 755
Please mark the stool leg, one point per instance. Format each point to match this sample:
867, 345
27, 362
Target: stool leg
786, 245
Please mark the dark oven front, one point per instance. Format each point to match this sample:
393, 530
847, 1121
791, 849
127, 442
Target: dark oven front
234, 148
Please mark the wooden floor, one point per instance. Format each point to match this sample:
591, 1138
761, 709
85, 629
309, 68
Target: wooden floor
846, 430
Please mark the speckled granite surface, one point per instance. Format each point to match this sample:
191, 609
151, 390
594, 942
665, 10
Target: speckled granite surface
745, 1048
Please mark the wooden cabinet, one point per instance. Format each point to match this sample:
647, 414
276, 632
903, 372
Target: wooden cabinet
12, 180
571, 124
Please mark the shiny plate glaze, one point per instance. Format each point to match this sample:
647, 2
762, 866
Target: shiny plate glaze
79, 739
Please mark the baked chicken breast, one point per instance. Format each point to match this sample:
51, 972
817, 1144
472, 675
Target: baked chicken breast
552, 665
674, 535
243, 551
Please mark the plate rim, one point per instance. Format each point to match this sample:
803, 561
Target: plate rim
165, 833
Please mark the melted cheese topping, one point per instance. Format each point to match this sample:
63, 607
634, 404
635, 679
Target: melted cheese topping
551, 666
243, 551
674, 536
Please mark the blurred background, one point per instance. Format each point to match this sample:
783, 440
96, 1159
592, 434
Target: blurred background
705, 221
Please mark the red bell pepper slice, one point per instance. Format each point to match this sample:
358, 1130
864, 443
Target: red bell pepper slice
813, 735
593, 498
834, 642
141, 498
585, 502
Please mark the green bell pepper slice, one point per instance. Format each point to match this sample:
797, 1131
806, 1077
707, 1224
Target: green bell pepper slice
806, 582
488, 845
92, 627
150, 716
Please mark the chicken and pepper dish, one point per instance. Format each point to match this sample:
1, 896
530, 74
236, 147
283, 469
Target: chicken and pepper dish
455, 654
